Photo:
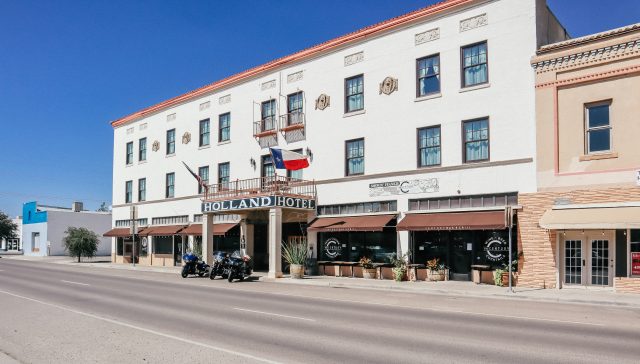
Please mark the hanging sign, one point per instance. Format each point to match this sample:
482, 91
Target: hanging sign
635, 263
428, 185
259, 202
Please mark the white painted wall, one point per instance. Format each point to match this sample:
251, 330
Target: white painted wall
59, 221
27, 242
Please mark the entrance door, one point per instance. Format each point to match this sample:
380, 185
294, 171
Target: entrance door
573, 262
588, 260
260, 247
177, 250
600, 262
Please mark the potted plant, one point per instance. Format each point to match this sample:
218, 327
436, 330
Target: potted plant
295, 254
368, 270
436, 271
399, 266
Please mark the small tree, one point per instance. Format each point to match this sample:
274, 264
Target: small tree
8, 228
80, 242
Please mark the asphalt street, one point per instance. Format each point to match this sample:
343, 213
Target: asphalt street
54, 313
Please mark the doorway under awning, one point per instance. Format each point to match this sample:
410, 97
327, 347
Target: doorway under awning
218, 229
351, 223
623, 217
470, 220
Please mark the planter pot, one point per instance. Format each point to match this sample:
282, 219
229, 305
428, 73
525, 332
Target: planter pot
297, 271
369, 273
436, 275
505, 279
399, 275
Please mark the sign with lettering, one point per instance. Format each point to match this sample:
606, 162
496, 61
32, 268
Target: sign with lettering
332, 248
259, 202
428, 185
496, 249
635, 263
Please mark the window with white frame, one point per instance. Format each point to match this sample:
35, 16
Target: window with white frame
142, 149
128, 191
204, 133
354, 94
203, 172
130, 153
475, 66
171, 141
429, 146
428, 74
224, 127
597, 127
170, 185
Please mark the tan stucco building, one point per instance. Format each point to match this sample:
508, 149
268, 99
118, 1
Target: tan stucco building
582, 227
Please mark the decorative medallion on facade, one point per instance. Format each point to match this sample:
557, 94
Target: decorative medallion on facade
186, 137
171, 117
155, 146
353, 58
388, 85
323, 102
475, 22
224, 99
297, 76
205, 105
268, 85
428, 36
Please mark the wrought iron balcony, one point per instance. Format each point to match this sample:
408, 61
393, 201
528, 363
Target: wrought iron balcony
292, 121
265, 127
264, 186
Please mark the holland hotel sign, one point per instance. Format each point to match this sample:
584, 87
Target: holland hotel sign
259, 202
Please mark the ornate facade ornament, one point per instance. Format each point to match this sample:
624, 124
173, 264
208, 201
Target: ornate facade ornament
475, 22
186, 137
428, 36
268, 85
224, 99
205, 105
323, 102
621, 50
353, 58
155, 146
171, 117
297, 76
388, 85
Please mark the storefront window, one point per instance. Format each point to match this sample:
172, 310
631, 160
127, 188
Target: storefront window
351, 246
635, 253
163, 245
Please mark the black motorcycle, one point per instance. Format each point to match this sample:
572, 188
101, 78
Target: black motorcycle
219, 264
238, 266
193, 265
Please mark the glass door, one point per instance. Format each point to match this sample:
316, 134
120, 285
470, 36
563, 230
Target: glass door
599, 263
573, 262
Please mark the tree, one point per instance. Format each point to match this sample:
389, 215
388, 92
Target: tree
8, 228
80, 242
103, 207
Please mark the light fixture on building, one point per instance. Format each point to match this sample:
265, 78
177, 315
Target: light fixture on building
252, 162
310, 154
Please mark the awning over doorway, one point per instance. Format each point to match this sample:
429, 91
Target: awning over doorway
218, 229
591, 218
352, 223
162, 230
118, 233
471, 220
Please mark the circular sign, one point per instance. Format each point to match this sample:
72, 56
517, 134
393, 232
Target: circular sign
332, 247
496, 248
144, 242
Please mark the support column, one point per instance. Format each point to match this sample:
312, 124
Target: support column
246, 233
114, 249
207, 237
312, 238
275, 239
150, 249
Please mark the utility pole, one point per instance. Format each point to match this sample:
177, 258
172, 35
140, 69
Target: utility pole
509, 220
133, 231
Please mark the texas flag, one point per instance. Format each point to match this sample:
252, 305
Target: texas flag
285, 159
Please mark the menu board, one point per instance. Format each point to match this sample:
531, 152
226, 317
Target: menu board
635, 263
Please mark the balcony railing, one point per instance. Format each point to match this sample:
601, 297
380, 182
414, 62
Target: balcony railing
292, 121
264, 186
264, 127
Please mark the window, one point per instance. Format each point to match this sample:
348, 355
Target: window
476, 140
297, 174
142, 189
354, 94
223, 175
294, 108
170, 220
204, 132
142, 149
203, 172
128, 191
429, 146
428, 73
224, 127
598, 127
267, 169
171, 141
358, 208
268, 112
354, 157
170, 189
474, 64
456, 202
130, 153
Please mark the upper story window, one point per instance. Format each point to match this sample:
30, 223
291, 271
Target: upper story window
130, 153
428, 75
475, 70
464, 202
597, 127
267, 169
128, 192
268, 112
354, 155
223, 175
203, 173
354, 94
204, 132
358, 208
170, 220
142, 189
294, 108
429, 146
170, 185
171, 141
224, 127
142, 149
297, 174
476, 140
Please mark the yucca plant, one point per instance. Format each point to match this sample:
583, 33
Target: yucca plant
295, 253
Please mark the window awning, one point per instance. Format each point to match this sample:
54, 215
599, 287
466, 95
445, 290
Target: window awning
118, 233
352, 223
162, 230
218, 229
471, 220
592, 218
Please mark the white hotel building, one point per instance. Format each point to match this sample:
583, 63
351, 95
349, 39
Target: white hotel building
420, 130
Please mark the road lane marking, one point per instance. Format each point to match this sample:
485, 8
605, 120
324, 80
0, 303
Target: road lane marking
72, 282
139, 328
274, 314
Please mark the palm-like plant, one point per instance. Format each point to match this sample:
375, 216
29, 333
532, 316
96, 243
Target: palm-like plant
295, 253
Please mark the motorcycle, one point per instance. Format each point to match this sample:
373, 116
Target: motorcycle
219, 264
238, 266
193, 265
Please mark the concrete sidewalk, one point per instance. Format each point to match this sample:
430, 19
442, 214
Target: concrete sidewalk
98, 262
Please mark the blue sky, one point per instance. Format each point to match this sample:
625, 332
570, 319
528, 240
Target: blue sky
67, 68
